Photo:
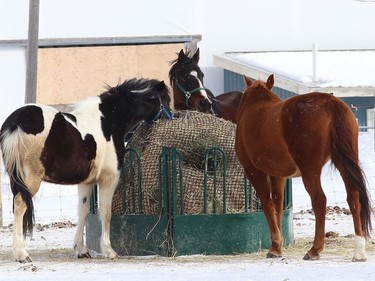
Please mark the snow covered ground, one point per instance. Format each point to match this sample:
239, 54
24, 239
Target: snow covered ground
53, 258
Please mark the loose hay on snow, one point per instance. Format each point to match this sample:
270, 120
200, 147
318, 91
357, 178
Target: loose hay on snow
192, 133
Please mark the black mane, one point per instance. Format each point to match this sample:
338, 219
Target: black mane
133, 86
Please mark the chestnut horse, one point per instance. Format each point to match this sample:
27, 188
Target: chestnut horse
277, 139
189, 93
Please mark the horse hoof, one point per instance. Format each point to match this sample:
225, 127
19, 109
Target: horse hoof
84, 256
272, 256
111, 256
359, 259
26, 260
307, 257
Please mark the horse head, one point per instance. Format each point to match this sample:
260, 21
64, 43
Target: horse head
268, 84
159, 103
186, 79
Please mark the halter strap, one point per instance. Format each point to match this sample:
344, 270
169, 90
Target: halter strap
168, 114
162, 110
188, 93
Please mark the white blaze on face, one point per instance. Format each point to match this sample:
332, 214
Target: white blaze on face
202, 92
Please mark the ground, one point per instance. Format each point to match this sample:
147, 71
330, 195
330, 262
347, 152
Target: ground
53, 258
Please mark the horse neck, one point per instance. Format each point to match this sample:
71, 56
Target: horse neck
262, 94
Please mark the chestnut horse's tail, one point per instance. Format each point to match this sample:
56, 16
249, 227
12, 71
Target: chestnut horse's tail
345, 152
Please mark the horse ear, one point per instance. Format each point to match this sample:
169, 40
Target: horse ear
160, 86
181, 55
270, 82
196, 56
247, 80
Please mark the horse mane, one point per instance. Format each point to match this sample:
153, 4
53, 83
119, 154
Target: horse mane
132, 86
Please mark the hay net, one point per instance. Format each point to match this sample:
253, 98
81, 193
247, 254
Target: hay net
192, 133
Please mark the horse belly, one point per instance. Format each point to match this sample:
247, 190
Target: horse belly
274, 163
67, 157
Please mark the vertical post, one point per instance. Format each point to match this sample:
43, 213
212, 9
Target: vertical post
1, 198
32, 52
315, 63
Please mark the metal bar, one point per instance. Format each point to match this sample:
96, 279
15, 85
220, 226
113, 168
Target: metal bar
1, 199
246, 186
214, 203
32, 52
174, 180
205, 184
214, 151
132, 181
139, 177
224, 157
94, 200
163, 180
182, 195
105, 41
123, 184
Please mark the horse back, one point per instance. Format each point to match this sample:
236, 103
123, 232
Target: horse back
273, 132
48, 142
226, 105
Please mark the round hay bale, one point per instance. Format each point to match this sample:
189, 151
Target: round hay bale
192, 133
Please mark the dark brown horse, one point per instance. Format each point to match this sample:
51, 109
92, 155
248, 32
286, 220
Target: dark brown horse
189, 93
277, 139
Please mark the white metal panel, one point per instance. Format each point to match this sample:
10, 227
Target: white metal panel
12, 80
14, 16
106, 18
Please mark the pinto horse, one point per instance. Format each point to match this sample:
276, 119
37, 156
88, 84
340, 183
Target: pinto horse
277, 139
83, 147
189, 93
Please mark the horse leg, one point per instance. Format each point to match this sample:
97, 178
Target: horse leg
106, 191
355, 208
84, 194
277, 185
313, 186
19, 250
32, 184
262, 185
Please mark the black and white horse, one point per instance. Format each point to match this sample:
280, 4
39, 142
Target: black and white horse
83, 147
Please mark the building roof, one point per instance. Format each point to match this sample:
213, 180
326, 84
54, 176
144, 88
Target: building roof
343, 73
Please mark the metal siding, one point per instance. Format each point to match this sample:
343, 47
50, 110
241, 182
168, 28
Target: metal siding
359, 105
235, 82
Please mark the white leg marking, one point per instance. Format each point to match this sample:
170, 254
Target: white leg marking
359, 251
19, 251
84, 193
106, 192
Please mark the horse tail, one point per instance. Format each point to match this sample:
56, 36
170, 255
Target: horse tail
10, 142
344, 130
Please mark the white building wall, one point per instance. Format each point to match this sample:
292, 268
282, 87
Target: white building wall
238, 25
269, 25
12, 80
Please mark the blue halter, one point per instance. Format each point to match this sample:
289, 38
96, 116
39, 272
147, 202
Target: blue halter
163, 110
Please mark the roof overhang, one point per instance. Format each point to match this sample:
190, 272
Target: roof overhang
230, 62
